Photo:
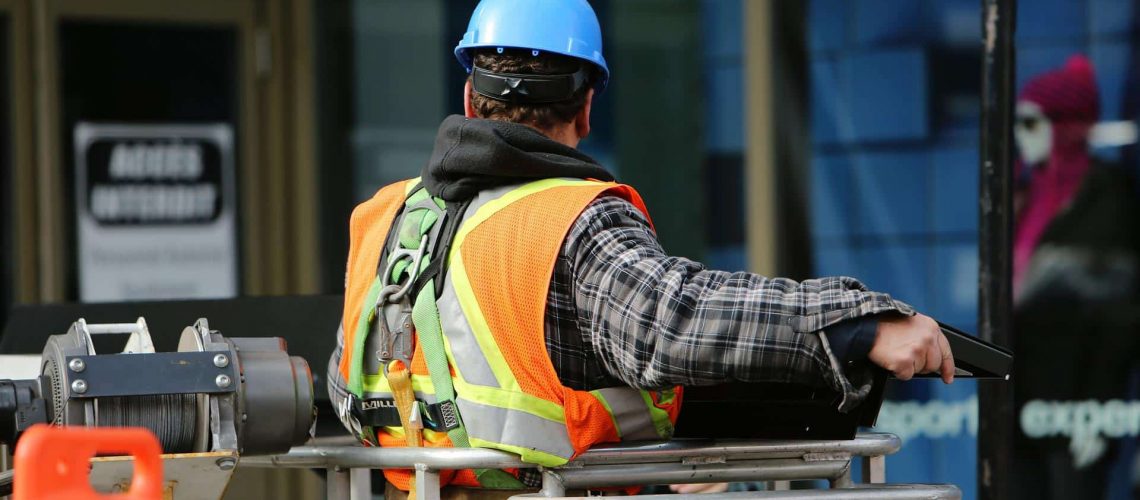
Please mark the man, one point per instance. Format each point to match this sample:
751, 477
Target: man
546, 317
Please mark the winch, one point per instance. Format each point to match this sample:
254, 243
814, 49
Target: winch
214, 393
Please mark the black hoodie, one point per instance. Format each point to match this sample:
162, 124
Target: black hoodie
473, 154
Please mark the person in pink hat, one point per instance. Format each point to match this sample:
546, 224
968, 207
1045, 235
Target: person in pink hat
1076, 278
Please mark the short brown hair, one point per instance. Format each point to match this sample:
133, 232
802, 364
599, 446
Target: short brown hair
541, 116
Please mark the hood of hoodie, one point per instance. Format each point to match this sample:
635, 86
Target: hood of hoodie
473, 154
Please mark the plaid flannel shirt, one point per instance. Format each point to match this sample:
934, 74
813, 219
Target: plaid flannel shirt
621, 312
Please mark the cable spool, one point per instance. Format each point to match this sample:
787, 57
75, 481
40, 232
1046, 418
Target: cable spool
243, 394
171, 417
52, 371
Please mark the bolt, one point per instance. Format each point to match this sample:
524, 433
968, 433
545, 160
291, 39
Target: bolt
244, 417
79, 386
221, 361
77, 365
226, 463
222, 381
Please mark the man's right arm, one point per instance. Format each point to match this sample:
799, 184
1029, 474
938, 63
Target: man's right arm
657, 320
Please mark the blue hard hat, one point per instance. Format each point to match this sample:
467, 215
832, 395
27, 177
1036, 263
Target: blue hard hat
567, 27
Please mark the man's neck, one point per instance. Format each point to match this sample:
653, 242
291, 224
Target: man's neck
564, 134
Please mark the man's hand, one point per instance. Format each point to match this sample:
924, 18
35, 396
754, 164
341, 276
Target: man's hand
692, 489
912, 345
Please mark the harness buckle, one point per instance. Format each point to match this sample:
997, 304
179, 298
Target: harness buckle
344, 412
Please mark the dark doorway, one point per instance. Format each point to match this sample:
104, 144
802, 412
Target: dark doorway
135, 73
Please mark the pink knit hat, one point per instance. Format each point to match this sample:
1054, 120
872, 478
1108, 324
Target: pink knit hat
1066, 94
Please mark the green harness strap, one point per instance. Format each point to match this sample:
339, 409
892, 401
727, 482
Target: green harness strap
429, 333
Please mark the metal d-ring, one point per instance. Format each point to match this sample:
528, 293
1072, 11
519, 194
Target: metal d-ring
417, 258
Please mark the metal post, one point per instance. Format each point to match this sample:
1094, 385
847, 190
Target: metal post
360, 483
874, 469
779, 485
552, 485
995, 298
338, 483
843, 480
427, 483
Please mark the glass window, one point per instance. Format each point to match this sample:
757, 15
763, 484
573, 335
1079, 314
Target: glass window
894, 111
405, 80
1076, 247
400, 53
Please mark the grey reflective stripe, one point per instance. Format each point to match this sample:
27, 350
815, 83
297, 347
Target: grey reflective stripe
630, 413
470, 363
466, 354
515, 428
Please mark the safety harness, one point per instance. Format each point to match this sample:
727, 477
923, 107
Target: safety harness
413, 261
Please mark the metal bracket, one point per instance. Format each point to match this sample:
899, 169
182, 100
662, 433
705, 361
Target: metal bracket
703, 460
826, 457
104, 375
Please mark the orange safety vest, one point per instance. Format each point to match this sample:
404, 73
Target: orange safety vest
492, 308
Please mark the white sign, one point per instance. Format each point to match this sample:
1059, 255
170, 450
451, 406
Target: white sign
155, 211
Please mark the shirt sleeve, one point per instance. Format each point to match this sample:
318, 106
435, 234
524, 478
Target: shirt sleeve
338, 389
657, 320
851, 340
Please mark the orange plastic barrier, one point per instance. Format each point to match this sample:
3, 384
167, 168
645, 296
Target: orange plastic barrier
53, 463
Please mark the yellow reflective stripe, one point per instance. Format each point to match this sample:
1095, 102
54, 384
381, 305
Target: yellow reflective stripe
513, 400
409, 184
526, 454
492, 207
429, 435
660, 417
463, 290
377, 383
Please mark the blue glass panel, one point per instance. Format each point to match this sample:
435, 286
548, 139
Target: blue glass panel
955, 21
828, 104
880, 22
890, 193
734, 258
898, 269
827, 23
835, 260
831, 195
1035, 60
888, 95
1111, 62
955, 285
939, 426
724, 114
1110, 17
722, 25
955, 189
1051, 20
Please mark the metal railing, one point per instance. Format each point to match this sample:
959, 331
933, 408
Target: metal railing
672, 462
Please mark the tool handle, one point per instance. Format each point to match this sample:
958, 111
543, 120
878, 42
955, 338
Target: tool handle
55, 462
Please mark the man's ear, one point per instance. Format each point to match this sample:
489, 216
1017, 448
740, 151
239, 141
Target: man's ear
468, 109
582, 120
